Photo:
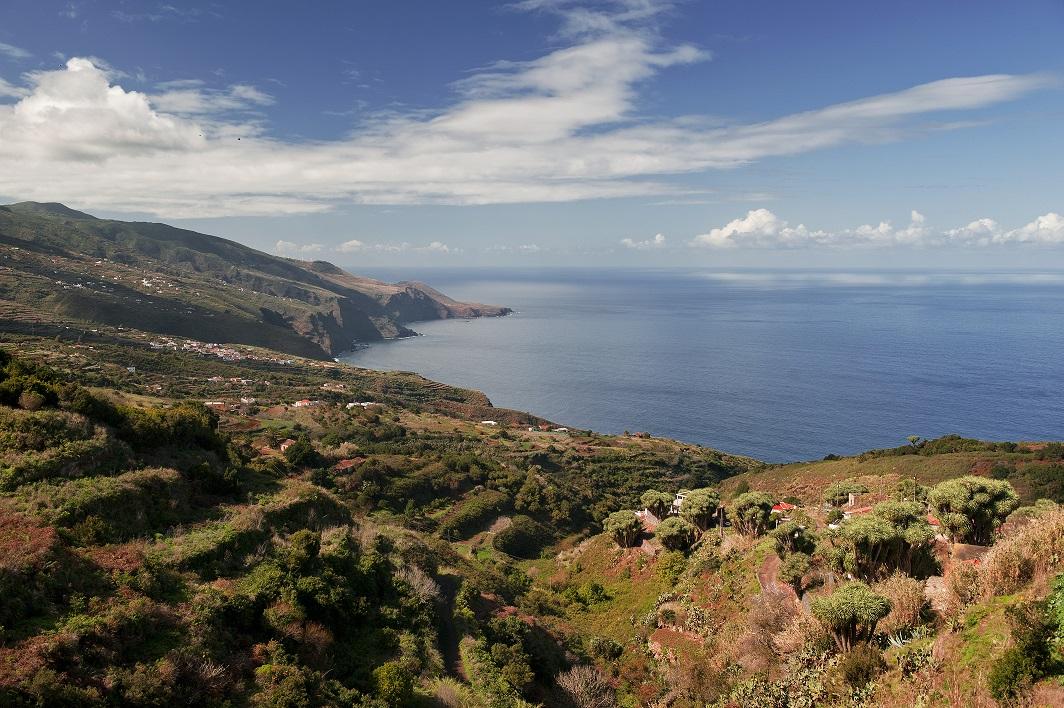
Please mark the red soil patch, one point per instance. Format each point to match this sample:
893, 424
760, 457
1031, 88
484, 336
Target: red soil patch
24, 543
122, 558
674, 644
18, 663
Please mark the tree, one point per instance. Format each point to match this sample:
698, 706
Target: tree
751, 513
973, 507
624, 527
394, 683
699, 507
793, 569
893, 537
676, 534
301, 452
851, 613
910, 490
839, 492
657, 502
791, 537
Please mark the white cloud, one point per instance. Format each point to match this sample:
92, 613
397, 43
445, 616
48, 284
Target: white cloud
350, 246
12, 52
561, 127
1048, 228
657, 242
760, 228
292, 249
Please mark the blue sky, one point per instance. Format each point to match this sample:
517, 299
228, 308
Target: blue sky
639, 132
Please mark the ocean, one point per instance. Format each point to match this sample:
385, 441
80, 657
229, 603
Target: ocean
779, 365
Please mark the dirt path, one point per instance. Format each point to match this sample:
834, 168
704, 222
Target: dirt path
448, 632
768, 578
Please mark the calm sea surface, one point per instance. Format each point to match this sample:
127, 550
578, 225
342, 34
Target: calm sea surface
778, 365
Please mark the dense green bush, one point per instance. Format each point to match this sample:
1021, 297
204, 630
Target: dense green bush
472, 514
523, 538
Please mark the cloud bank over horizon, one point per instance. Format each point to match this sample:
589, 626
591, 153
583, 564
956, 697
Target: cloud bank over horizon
761, 228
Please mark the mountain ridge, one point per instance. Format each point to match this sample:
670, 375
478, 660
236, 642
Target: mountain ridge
169, 280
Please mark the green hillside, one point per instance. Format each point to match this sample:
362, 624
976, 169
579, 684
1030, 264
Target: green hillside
157, 551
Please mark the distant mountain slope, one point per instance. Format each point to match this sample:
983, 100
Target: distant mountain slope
59, 264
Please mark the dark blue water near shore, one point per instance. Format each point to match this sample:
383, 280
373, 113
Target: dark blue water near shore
778, 365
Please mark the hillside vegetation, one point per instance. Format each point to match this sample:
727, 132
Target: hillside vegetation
157, 551
198, 507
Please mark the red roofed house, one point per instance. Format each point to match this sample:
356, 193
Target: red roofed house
783, 508
287, 444
857, 512
348, 463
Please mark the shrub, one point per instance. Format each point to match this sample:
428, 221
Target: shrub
586, 687
671, 566
907, 603
1035, 551
1011, 675
1033, 626
604, 648
860, 666
394, 683
523, 538
473, 513
964, 586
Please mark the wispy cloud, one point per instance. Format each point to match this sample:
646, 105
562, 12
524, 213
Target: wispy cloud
761, 228
356, 246
12, 52
11, 91
190, 97
562, 127
162, 12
